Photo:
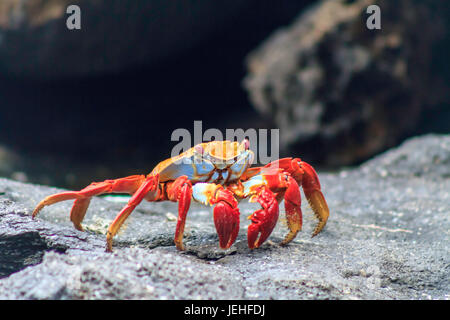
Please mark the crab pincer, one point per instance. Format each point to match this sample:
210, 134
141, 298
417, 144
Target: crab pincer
226, 211
226, 218
263, 220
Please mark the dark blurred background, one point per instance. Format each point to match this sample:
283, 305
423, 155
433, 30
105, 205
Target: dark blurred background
85, 105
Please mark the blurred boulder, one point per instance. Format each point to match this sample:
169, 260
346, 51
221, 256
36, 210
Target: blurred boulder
102, 102
114, 35
340, 92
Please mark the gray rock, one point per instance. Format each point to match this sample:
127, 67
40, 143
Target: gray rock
425, 156
128, 274
332, 84
387, 238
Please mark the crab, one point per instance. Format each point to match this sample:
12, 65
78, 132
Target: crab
216, 173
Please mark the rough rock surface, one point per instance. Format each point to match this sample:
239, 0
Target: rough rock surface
332, 84
387, 238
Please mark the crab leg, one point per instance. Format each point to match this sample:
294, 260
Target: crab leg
311, 188
83, 197
292, 205
150, 184
180, 190
78, 212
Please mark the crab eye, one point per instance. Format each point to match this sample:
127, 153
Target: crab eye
246, 144
199, 149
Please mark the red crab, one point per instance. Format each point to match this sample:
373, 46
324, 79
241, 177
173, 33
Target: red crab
215, 173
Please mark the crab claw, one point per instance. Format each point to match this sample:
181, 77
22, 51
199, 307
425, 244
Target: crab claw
226, 218
311, 188
263, 220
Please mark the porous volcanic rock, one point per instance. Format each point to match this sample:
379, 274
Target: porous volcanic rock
387, 238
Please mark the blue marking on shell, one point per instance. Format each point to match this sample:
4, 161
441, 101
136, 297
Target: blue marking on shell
225, 175
214, 176
204, 167
186, 168
243, 161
